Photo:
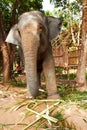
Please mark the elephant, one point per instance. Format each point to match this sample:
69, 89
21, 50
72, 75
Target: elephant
33, 33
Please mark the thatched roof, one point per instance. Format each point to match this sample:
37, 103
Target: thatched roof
66, 37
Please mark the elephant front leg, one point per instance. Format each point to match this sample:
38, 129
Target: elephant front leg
50, 77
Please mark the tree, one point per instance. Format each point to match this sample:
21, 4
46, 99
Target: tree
5, 52
81, 79
13, 21
68, 11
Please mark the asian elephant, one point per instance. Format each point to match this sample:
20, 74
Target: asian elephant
33, 33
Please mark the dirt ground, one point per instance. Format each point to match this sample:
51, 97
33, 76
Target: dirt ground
11, 119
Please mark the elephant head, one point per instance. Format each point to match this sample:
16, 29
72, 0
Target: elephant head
33, 33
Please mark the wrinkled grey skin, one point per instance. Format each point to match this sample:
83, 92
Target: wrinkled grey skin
33, 33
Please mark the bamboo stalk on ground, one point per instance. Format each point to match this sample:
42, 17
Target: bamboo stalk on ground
42, 115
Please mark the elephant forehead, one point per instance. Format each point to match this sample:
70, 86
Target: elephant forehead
29, 19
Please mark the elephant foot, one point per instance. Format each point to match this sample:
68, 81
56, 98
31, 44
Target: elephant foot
29, 96
53, 96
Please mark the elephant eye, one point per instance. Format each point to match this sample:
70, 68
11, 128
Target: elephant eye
19, 33
40, 27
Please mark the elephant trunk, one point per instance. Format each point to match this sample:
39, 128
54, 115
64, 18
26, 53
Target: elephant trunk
30, 48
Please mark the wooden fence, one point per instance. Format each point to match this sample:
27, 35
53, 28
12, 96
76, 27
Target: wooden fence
64, 58
73, 57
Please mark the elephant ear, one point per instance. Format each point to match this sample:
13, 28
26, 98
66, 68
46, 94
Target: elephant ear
54, 27
13, 36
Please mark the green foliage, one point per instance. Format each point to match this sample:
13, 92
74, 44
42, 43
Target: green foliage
60, 75
62, 123
6, 7
59, 116
72, 12
86, 75
1, 78
65, 76
19, 83
69, 93
63, 3
59, 2
67, 10
58, 70
29, 5
72, 76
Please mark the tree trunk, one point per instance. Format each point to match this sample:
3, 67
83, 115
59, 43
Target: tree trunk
5, 51
13, 47
81, 80
6, 62
15, 6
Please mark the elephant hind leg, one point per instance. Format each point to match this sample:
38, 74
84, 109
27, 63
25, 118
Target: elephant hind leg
50, 76
53, 96
39, 76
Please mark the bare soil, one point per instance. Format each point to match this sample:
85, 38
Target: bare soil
11, 119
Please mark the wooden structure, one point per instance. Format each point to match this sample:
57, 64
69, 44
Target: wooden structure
60, 54
64, 58
73, 57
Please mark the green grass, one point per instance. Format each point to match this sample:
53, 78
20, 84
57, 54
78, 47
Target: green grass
65, 76
70, 94
1, 78
19, 83
62, 123
67, 92
86, 75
